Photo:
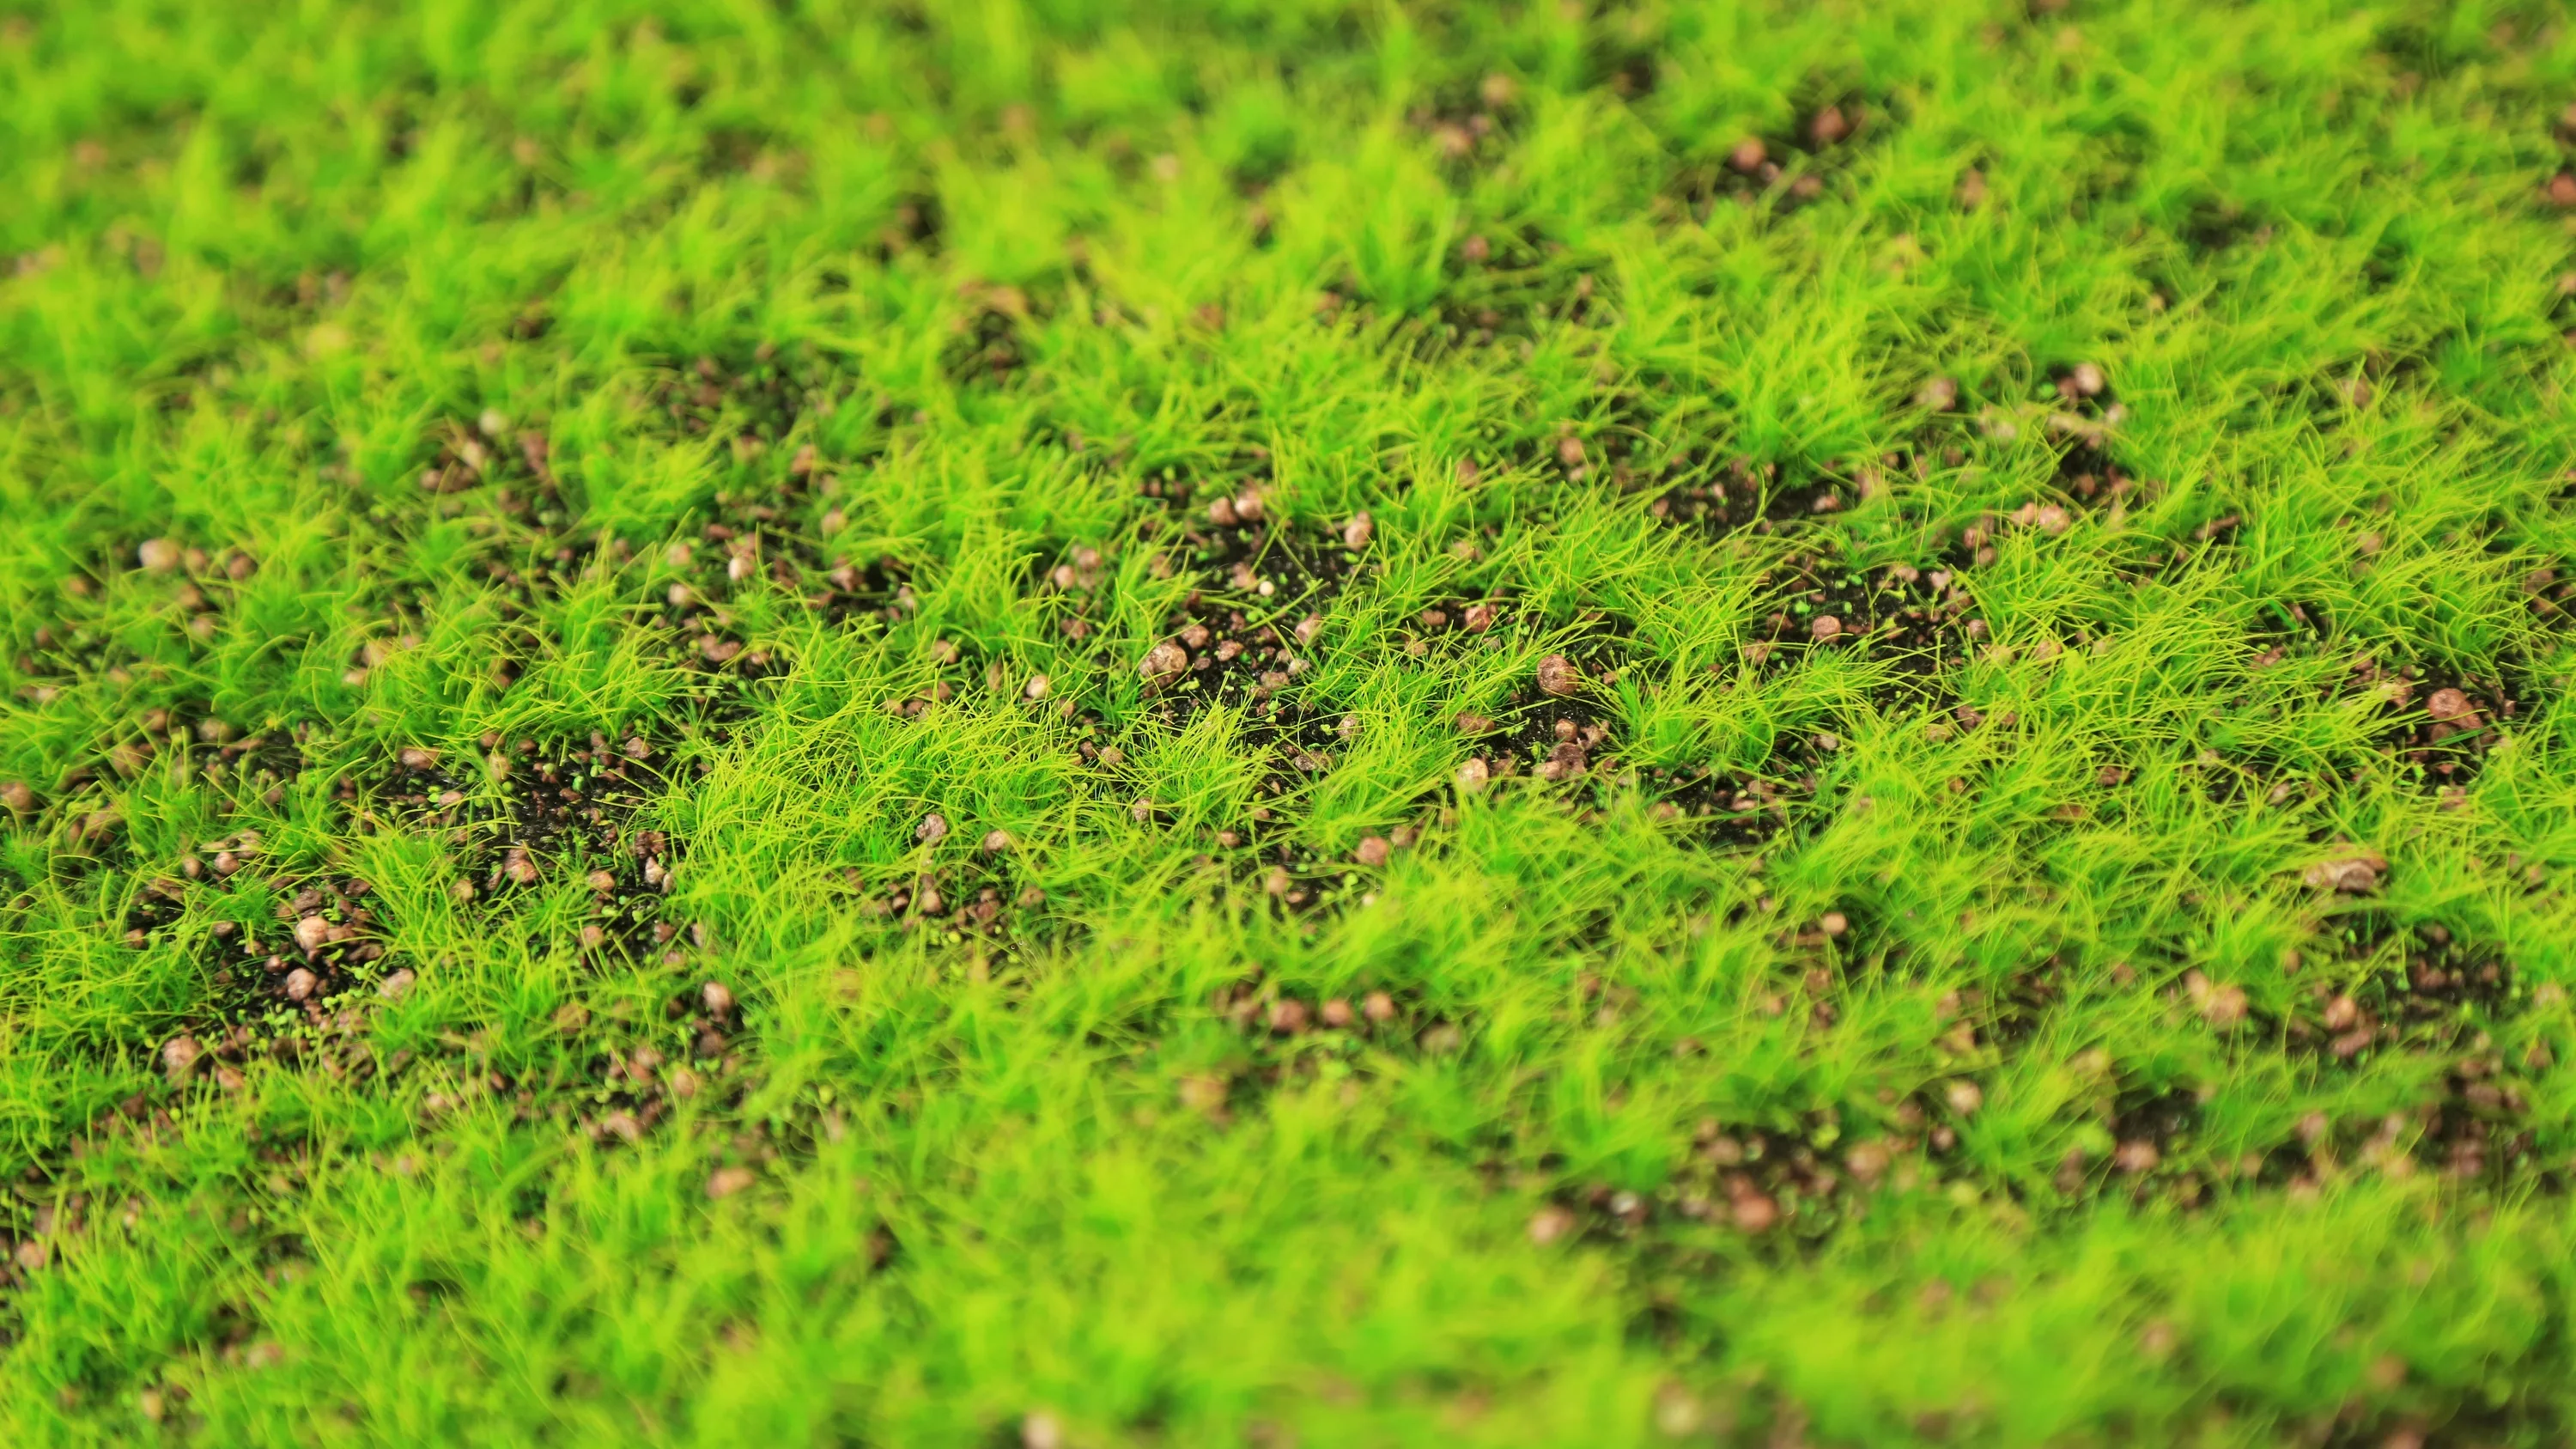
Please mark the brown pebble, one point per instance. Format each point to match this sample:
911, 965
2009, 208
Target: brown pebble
1164, 661
1558, 676
2224, 1007
1549, 1224
717, 998
1378, 1007
1478, 618
1337, 1013
159, 555
1037, 688
1938, 395
1826, 626
179, 1057
1748, 155
1834, 923
1755, 1212
2353, 875
396, 985
2088, 379
2562, 189
2448, 705
932, 829
724, 1182
1288, 1016
2136, 1156
1964, 1097
2342, 1013
996, 842
1569, 451
1829, 126
1868, 1161
1473, 775
18, 798
312, 933
416, 758
300, 984
1356, 533
1468, 722
1372, 851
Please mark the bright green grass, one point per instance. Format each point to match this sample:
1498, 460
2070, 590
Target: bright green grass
262, 264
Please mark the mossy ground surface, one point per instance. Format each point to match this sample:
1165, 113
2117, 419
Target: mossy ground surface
1286, 723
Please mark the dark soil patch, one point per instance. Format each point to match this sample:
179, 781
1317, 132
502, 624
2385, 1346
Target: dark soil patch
1732, 809
754, 398
2443, 980
2442, 723
2444, 996
2551, 598
2210, 225
1911, 617
527, 812
750, 545
556, 809
1248, 630
1784, 1188
1739, 496
317, 942
1249, 634
1468, 122
1789, 168
1287, 1034
979, 906
2152, 1130
987, 349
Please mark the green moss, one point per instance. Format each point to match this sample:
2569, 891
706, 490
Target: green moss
2097, 991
